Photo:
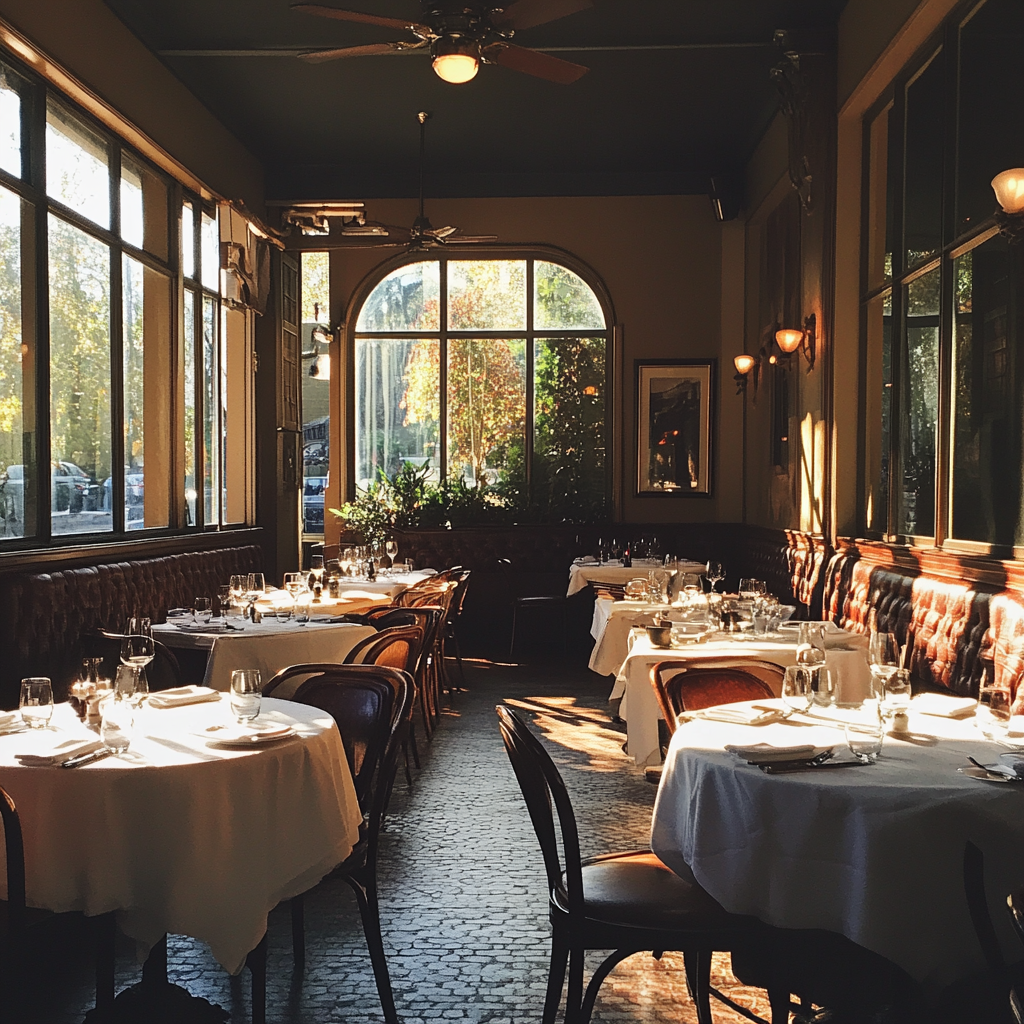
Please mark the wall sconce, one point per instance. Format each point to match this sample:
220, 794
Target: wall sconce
744, 365
1009, 189
790, 340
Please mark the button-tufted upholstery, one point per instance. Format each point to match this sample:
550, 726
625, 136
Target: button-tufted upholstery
44, 615
1004, 640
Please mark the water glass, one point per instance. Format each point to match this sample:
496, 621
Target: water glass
283, 608
823, 688
796, 688
36, 701
117, 723
246, 687
896, 692
202, 609
993, 714
865, 731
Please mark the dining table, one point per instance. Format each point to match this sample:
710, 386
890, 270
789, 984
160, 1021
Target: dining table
193, 830
584, 572
637, 704
873, 852
269, 645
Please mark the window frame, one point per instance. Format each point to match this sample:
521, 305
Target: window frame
529, 335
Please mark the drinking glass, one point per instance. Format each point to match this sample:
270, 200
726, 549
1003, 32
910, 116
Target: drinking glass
884, 655
125, 680
137, 651
223, 601
391, 547
283, 608
316, 569
896, 692
714, 572
255, 587
117, 722
810, 652
202, 609
993, 714
238, 586
302, 602
796, 688
865, 731
246, 687
747, 588
36, 701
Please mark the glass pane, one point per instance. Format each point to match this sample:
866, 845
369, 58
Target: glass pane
316, 288
143, 208
16, 373
991, 116
211, 461
563, 300
77, 165
316, 390
190, 408
878, 418
147, 412
922, 195
569, 460
209, 243
80, 433
486, 409
408, 299
233, 421
920, 405
879, 202
188, 242
487, 295
987, 397
10, 123
398, 406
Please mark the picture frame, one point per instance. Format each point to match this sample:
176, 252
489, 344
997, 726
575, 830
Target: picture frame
674, 421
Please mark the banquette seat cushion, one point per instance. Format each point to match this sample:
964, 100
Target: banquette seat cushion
43, 616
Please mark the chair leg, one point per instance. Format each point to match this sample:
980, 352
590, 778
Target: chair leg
366, 896
574, 996
697, 964
602, 972
405, 753
257, 962
412, 743
779, 1001
298, 907
512, 642
556, 977
461, 667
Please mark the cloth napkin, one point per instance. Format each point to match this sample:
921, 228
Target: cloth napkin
941, 706
765, 752
851, 674
76, 746
9, 720
182, 695
734, 715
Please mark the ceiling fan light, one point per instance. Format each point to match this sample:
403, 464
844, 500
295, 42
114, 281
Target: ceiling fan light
456, 60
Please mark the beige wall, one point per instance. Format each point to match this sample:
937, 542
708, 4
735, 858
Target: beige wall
94, 46
661, 259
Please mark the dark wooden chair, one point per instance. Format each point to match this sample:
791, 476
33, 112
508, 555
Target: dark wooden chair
19, 924
688, 686
626, 902
548, 603
372, 705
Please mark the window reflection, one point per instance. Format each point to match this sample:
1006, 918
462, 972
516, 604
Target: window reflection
10, 123
922, 194
188, 242
189, 333
77, 165
209, 242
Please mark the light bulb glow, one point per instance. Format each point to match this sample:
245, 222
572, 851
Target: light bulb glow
744, 363
1009, 189
456, 68
789, 340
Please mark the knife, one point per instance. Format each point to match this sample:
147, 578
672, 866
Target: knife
83, 759
779, 769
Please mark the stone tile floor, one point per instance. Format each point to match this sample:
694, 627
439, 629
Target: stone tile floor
462, 887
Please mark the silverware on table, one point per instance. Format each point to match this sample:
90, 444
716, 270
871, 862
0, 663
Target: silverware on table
1007, 773
84, 759
787, 767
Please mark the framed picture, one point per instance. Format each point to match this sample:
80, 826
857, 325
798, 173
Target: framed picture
674, 418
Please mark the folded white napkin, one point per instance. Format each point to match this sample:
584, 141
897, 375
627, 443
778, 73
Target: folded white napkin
182, 695
941, 706
765, 752
9, 720
76, 746
739, 715
794, 627
213, 626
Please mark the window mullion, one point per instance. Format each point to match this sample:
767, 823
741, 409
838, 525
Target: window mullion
530, 343
117, 378
38, 460
443, 363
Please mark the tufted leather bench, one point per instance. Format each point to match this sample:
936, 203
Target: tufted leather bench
44, 615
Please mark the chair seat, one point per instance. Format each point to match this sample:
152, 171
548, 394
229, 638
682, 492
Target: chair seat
637, 890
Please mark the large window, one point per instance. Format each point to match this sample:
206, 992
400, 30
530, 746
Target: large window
944, 416
99, 432
492, 371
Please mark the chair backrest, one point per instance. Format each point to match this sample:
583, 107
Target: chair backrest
542, 788
459, 596
399, 647
439, 594
372, 705
684, 686
386, 618
162, 673
15, 850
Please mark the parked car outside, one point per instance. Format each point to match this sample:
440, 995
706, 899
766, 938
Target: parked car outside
313, 488
71, 490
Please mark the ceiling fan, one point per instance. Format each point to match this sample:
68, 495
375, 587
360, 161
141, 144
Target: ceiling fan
462, 34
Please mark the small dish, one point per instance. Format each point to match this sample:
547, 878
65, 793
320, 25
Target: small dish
246, 736
983, 776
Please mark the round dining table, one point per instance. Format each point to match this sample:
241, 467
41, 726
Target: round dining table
872, 852
180, 834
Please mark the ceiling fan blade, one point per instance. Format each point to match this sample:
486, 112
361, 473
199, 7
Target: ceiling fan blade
370, 50
541, 65
469, 239
366, 19
527, 13
442, 232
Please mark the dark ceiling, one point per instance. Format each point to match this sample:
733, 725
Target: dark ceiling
678, 90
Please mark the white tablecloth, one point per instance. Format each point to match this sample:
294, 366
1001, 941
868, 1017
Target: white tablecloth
874, 853
268, 645
180, 837
610, 629
582, 575
639, 705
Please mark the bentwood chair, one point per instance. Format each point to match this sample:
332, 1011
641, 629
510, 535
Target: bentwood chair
548, 603
625, 902
372, 705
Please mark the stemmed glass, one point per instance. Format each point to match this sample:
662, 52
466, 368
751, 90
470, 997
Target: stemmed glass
255, 586
884, 654
714, 573
137, 651
391, 548
238, 586
316, 568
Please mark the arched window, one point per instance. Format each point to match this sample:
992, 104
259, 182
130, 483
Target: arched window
494, 371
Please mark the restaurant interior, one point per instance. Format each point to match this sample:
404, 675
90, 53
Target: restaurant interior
555, 437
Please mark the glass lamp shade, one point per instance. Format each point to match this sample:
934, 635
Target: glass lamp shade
744, 363
789, 340
1009, 189
456, 67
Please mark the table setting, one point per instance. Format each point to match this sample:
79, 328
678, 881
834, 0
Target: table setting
759, 814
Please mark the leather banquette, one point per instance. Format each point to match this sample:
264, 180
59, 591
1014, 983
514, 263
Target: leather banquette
43, 616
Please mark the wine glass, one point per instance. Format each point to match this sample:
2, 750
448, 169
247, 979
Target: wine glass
796, 688
36, 702
237, 586
255, 586
391, 547
316, 568
137, 651
714, 572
